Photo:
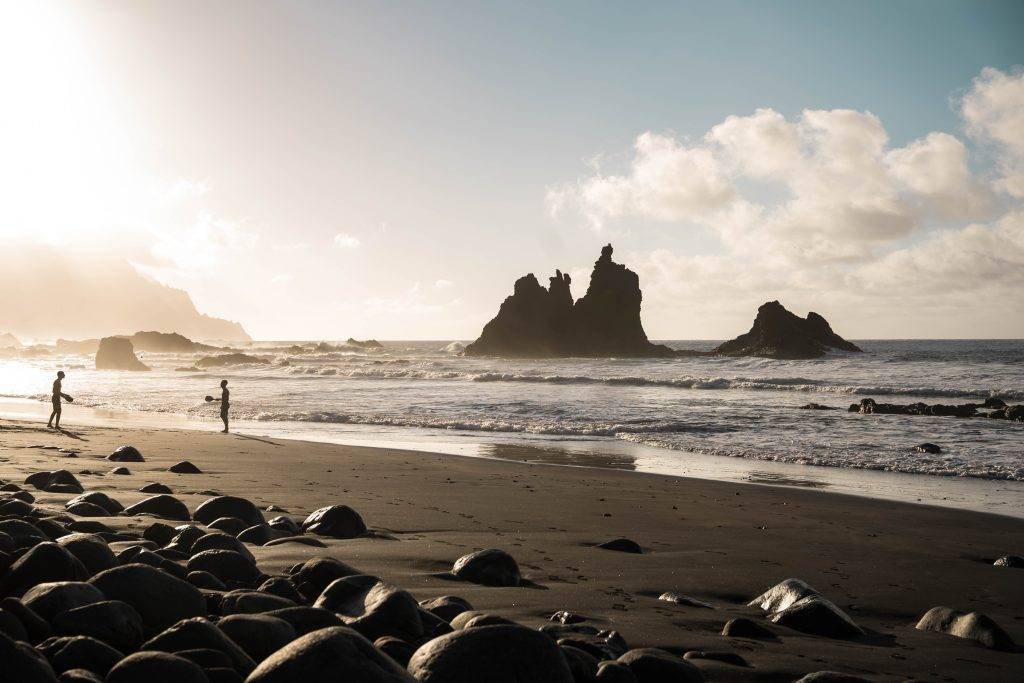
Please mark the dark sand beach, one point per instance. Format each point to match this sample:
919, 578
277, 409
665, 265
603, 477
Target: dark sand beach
884, 563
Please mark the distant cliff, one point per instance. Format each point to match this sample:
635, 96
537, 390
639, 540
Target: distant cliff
46, 293
778, 333
540, 322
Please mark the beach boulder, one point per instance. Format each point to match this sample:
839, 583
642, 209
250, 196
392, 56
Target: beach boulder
79, 652
228, 506
199, 633
184, 467
307, 619
337, 521
113, 622
782, 595
126, 454
117, 353
1013, 561
156, 667
816, 615
329, 655
219, 541
373, 608
652, 664
23, 663
446, 607
258, 635
159, 598
622, 545
100, 499
51, 598
155, 487
970, 625
490, 567
502, 654
741, 627
229, 566
58, 481
161, 505
42, 563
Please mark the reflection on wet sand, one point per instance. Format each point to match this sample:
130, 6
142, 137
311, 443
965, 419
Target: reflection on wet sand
558, 456
777, 479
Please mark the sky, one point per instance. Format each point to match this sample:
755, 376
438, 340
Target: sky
320, 170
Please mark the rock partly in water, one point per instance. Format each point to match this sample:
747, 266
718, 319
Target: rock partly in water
490, 567
930, 448
778, 333
117, 353
536, 322
970, 625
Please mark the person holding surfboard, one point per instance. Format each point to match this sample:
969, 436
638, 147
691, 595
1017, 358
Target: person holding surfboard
225, 403
57, 396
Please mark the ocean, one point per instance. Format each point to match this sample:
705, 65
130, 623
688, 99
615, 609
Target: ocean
671, 416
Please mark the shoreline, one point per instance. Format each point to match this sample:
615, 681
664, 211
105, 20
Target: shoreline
885, 563
993, 496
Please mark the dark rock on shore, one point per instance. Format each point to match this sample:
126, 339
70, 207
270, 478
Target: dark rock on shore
42, 563
117, 353
373, 608
330, 654
156, 667
622, 545
159, 598
971, 625
50, 599
126, 454
652, 664
490, 653
23, 663
931, 448
90, 549
794, 604
539, 323
113, 622
446, 607
1014, 561
258, 635
200, 633
741, 627
777, 333
162, 505
868, 406
228, 506
338, 521
184, 467
79, 652
490, 567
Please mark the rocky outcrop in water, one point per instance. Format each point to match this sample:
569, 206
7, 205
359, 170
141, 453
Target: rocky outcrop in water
539, 322
117, 353
778, 333
999, 409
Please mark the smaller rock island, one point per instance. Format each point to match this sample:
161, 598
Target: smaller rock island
778, 333
117, 353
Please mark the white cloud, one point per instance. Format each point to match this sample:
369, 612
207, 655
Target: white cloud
993, 110
443, 284
282, 279
345, 241
201, 247
822, 209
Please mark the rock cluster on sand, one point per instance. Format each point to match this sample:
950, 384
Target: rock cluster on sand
117, 353
778, 333
538, 323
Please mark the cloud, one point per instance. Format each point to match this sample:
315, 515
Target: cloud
201, 247
822, 208
345, 241
443, 284
993, 111
282, 279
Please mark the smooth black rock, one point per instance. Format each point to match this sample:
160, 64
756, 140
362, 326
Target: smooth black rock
831, 677
185, 538
686, 600
718, 656
373, 608
199, 633
259, 635
184, 467
126, 454
499, 654
307, 619
221, 541
156, 667
159, 598
37, 628
228, 506
42, 563
782, 595
207, 658
23, 664
98, 498
206, 580
90, 549
337, 521
490, 567
50, 599
582, 664
286, 524
155, 487
477, 618
79, 676
23, 534
1014, 561
970, 625
227, 565
651, 665
161, 505
260, 534
622, 545
777, 333
446, 607
613, 672
82, 509
928, 448
814, 614
113, 622
328, 656
537, 322
252, 602
228, 525
282, 587
314, 575
741, 627
79, 652
295, 540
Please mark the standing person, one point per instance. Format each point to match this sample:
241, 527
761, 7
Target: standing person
57, 396
225, 403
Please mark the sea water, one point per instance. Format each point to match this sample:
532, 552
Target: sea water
627, 411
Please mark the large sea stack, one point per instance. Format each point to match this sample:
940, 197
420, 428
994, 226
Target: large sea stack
777, 333
117, 353
537, 323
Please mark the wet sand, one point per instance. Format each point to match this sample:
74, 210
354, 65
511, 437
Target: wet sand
884, 563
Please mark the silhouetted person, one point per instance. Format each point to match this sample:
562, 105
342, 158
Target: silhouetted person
54, 420
225, 403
